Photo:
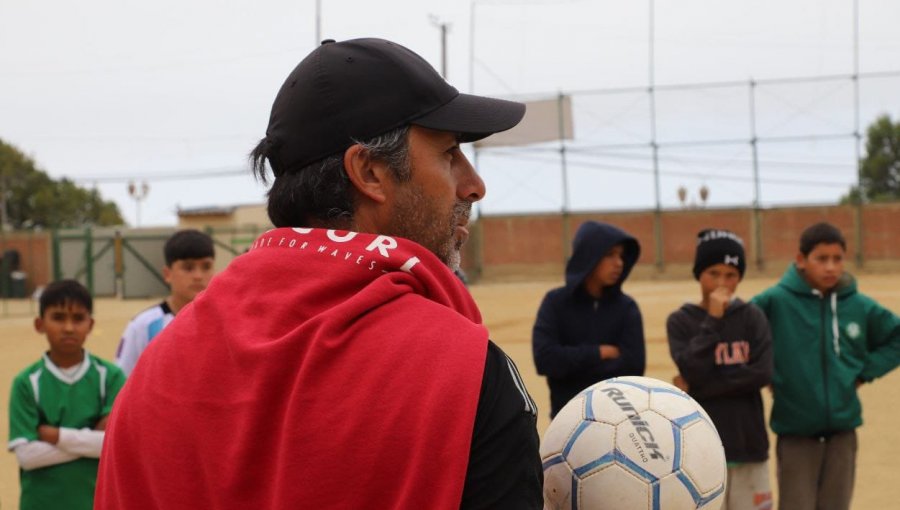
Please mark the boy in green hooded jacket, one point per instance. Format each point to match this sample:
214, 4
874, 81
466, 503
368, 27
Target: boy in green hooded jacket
828, 340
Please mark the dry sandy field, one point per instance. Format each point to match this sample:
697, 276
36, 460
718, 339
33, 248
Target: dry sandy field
509, 310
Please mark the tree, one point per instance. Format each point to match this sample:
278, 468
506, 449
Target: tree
33, 199
879, 173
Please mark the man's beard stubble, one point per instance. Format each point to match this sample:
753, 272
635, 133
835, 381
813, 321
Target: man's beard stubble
419, 220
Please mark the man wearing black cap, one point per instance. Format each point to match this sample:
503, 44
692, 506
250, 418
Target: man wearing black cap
723, 349
339, 363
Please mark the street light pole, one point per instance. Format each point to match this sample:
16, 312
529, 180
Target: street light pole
138, 193
443, 26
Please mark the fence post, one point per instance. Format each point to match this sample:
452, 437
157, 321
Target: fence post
757, 194
119, 264
560, 113
89, 259
857, 138
57, 257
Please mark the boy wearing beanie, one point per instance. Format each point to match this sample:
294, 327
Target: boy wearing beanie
723, 350
829, 339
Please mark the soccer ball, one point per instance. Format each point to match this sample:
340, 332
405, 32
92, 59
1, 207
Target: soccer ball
633, 443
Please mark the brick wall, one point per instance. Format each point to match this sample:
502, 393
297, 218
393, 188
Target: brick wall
528, 246
34, 256
525, 245
881, 224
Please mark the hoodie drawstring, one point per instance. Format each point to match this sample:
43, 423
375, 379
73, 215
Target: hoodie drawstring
835, 330
834, 324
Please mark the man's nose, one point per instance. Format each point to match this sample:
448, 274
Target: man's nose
471, 187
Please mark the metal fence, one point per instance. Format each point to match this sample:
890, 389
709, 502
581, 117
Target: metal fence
125, 263
128, 262
757, 143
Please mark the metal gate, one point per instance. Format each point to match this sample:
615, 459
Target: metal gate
112, 262
128, 262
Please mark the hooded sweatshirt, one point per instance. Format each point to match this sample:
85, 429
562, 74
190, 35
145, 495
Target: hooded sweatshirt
725, 362
322, 369
823, 345
571, 324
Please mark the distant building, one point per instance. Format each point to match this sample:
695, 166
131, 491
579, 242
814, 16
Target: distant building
223, 217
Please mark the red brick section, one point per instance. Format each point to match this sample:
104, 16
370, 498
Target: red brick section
680, 230
881, 225
524, 239
782, 227
638, 224
34, 256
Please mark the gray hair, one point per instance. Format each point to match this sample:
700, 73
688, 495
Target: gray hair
392, 148
321, 192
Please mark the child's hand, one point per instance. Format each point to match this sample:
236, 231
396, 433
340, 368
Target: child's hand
101, 424
680, 383
609, 352
718, 302
48, 434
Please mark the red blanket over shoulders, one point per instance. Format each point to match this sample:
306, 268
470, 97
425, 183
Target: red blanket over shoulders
322, 369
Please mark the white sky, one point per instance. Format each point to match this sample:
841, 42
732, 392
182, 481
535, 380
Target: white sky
101, 91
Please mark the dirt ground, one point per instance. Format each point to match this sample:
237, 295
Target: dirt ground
509, 310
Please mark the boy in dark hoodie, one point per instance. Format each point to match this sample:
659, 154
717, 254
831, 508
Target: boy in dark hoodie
828, 340
589, 330
723, 350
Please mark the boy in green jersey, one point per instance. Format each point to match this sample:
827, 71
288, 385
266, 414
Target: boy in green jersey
58, 406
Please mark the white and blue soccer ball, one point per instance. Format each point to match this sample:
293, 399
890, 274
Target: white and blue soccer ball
633, 443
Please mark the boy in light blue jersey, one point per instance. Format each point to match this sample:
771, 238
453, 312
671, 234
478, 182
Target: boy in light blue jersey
189, 258
59, 406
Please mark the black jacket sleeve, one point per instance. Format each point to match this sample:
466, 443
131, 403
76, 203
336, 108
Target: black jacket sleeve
632, 358
504, 462
695, 355
553, 357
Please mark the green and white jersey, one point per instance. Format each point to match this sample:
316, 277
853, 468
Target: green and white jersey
77, 398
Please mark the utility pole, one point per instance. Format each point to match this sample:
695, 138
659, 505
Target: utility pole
318, 23
654, 146
444, 27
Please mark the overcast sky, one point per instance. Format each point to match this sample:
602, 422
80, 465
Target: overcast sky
176, 93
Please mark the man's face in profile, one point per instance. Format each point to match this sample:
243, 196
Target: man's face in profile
433, 207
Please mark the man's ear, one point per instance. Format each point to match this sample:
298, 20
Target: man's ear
367, 175
800, 260
39, 325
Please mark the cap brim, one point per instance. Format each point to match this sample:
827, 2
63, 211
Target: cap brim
473, 117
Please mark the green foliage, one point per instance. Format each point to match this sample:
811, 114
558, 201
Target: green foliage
852, 197
33, 199
879, 173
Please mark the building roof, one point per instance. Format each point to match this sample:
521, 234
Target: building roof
207, 211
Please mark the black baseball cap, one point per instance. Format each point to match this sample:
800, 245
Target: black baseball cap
361, 88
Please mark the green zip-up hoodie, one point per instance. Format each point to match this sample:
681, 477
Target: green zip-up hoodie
824, 344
